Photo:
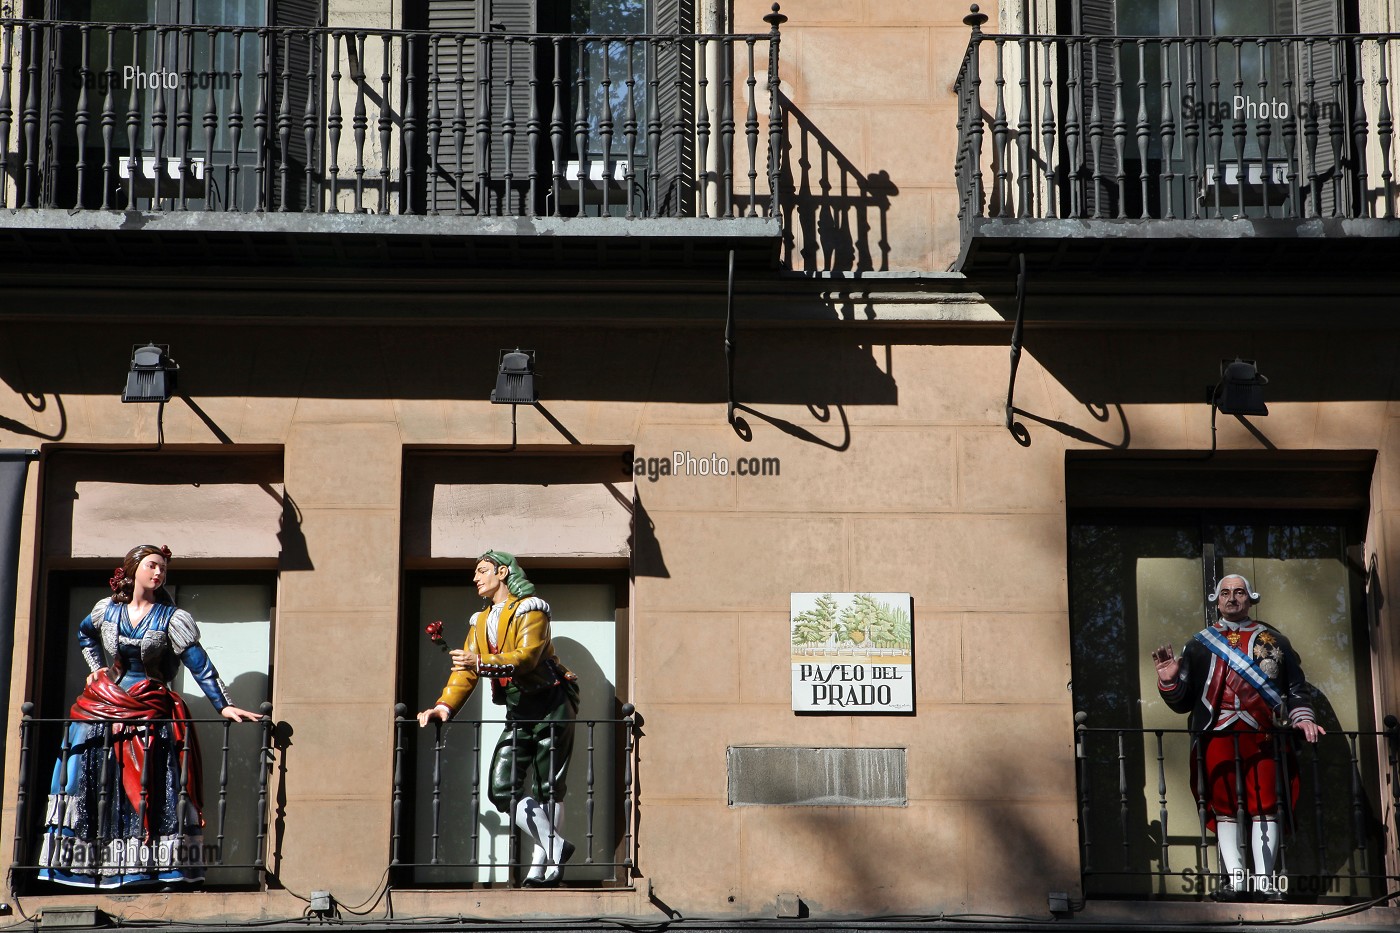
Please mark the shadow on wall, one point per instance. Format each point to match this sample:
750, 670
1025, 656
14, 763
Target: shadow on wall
835, 217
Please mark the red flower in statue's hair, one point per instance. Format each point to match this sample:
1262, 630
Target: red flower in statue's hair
116, 582
165, 551
434, 630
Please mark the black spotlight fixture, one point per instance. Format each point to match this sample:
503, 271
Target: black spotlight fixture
1241, 388
515, 378
152, 375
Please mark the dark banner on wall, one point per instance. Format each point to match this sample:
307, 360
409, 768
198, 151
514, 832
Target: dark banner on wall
14, 470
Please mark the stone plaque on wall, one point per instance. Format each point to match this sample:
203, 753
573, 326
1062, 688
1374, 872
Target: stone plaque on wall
852, 652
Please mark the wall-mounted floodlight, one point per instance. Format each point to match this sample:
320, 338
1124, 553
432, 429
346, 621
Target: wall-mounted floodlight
515, 378
1241, 388
152, 375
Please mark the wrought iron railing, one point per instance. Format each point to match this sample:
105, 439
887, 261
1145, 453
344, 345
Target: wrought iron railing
1143, 832
445, 831
1176, 127
100, 116
236, 764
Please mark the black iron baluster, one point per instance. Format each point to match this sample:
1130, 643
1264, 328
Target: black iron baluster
1202, 817
1120, 129
1123, 801
702, 131
211, 120
1310, 130
310, 118
534, 128
1289, 131
1239, 129
1191, 124
144, 736
80, 119
1392, 745
1023, 135
1216, 129
360, 121
57, 109
751, 129
1241, 817
628, 795
581, 126
410, 125
999, 135
726, 129
1096, 127
1073, 153
261, 116
1047, 132
160, 119
476, 793
1385, 127
284, 124
482, 148
7, 109
1081, 758
775, 114
133, 130
1282, 793
334, 120
654, 133
235, 124
629, 129
184, 113
396, 814
1359, 132
508, 126
588, 802
434, 122
223, 783
513, 859
556, 129
1144, 128
1168, 133
459, 129
29, 118
386, 125
437, 788
264, 769
605, 125
1265, 129
1165, 869
26, 727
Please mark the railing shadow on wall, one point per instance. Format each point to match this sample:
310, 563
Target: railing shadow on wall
835, 216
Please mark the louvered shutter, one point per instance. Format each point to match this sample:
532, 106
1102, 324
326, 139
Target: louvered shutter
510, 70
291, 94
452, 100
1326, 64
1096, 18
674, 173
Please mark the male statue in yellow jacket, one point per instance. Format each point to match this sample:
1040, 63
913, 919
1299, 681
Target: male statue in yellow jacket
509, 643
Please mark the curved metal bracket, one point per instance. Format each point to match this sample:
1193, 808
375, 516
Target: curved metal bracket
729, 347
1016, 342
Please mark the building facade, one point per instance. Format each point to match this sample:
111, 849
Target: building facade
895, 299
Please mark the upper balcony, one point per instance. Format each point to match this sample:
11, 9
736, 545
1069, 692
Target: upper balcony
1125, 154
269, 137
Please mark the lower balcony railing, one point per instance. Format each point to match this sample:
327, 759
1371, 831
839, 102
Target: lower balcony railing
1177, 127
448, 832
1143, 831
97, 116
132, 804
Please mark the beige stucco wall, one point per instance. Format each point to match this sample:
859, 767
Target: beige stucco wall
906, 482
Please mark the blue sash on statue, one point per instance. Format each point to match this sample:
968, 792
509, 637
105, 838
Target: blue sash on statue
1241, 664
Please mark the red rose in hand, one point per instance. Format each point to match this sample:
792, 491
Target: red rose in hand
434, 630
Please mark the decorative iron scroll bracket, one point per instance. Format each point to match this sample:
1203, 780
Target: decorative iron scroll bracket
729, 347
1016, 342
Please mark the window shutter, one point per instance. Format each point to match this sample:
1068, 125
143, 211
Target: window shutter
1326, 64
514, 65
454, 78
1096, 18
674, 172
291, 56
